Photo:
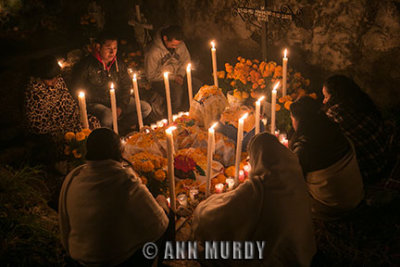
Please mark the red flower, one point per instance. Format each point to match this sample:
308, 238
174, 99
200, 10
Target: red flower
184, 163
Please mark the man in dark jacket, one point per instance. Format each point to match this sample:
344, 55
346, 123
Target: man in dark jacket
95, 73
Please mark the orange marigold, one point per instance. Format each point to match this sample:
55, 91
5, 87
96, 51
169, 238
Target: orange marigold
287, 104
160, 175
69, 136
282, 99
277, 107
86, 132
80, 136
144, 180
313, 95
77, 155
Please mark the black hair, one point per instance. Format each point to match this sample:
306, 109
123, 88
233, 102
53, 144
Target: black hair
45, 67
105, 36
172, 32
102, 144
345, 91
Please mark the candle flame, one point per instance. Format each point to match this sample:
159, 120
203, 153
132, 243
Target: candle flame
260, 99
213, 126
60, 63
81, 94
244, 116
189, 67
276, 86
112, 85
131, 91
134, 77
213, 44
165, 74
285, 53
170, 129
130, 70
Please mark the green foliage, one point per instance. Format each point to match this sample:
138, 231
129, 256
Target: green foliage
28, 227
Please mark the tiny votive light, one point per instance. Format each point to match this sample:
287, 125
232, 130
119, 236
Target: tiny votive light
219, 188
182, 199
192, 193
230, 182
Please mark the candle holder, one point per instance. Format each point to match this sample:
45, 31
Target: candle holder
219, 188
182, 199
230, 182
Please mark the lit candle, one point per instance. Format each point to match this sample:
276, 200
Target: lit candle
182, 199
214, 63
192, 193
241, 175
239, 146
284, 72
230, 182
171, 173
210, 153
246, 169
137, 101
82, 108
257, 118
114, 108
273, 108
189, 82
60, 63
168, 95
219, 188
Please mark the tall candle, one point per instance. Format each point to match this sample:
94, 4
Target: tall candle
273, 108
257, 118
214, 62
82, 108
284, 73
171, 172
137, 101
168, 95
189, 82
114, 108
210, 153
239, 146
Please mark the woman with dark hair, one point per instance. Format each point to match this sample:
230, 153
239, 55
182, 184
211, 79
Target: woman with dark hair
49, 106
328, 161
273, 205
360, 120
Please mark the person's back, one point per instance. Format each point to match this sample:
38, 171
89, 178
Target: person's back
327, 159
361, 122
106, 213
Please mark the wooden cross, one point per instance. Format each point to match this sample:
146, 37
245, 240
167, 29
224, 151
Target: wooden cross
263, 14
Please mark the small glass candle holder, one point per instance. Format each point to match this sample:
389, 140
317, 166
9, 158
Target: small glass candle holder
230, 182
182, 199
193, 192
219, 188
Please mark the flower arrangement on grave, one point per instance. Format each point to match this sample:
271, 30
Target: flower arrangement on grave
75, 146
152, 170
188, 162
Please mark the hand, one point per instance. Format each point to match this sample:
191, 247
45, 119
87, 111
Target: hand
179, 79
119, 111
162, 201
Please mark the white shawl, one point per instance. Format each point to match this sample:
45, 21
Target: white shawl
106, 214
272, 205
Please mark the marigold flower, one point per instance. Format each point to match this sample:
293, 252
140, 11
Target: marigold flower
160, 175
254, 86
282, 99
262, 86
277, 107
67, 150
221, 178
255, 66
146, 166
242, 60
245, 95
256, 61
313, 95
230, 171
278, 71
307, 82
221, 74
69, 136
297, 75
239, 58
248, 62
86, 132
233, 83
80, 136
301, 92
77, 155
254, 94
287, 104
260, 81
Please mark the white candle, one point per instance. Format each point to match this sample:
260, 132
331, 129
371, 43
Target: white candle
168, 95
137, 101
257, 118
214, 63
273, 108
189, 82
239, 146
284, 72
210, 153
82, 108
114, 108
230, 182
219, 188
171, 172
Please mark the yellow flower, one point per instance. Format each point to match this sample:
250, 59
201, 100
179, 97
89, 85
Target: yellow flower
221, 74
277, 107
160, 175
80, 136
86, 132
67, 150
76, 154
313, 95
69, 136
287, 104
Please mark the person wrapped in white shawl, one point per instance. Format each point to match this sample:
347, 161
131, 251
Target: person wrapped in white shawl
272, 206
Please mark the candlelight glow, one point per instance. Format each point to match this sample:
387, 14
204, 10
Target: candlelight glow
134, 77
165, 74
276, 86
170, 129
213, 44
60, 63
81, 94
213, 126
285, 53
130, 70
244, 117
189, 67
112, 86
260, 99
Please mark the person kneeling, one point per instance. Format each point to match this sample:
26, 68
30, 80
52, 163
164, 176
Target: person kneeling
106, 214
